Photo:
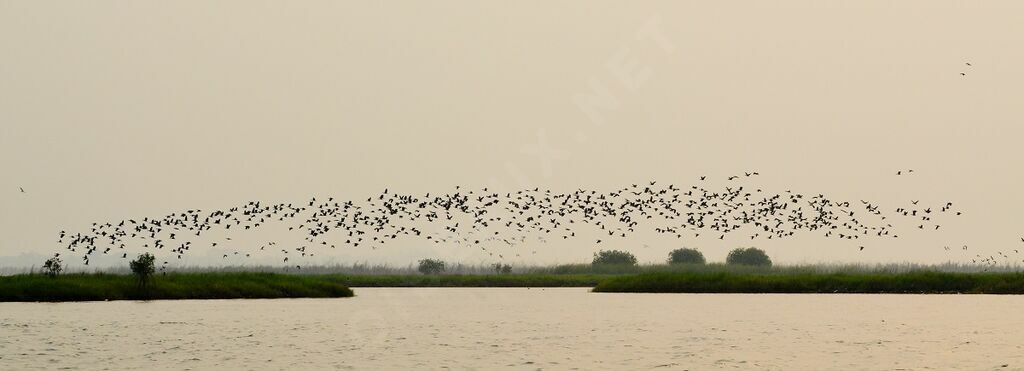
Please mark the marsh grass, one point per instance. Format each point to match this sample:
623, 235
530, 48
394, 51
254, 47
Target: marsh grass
333, 281
580, 268
105, 286
102, 286
694, 279
918, 282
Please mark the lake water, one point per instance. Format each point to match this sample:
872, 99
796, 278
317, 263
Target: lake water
522, 329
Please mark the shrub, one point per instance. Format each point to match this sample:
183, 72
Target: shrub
501, 268
431, 266
53, 266
614, 257
749, 256
143, 267
685, 256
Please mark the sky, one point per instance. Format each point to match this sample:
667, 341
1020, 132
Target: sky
119, 109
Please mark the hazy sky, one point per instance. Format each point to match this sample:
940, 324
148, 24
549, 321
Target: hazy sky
117, 109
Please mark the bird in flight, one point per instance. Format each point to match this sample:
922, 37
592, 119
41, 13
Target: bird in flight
22, 189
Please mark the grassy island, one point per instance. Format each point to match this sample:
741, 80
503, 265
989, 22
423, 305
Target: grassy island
917, 282
332, 282
98, 287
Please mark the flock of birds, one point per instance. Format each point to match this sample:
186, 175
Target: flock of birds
481, 218
485, 219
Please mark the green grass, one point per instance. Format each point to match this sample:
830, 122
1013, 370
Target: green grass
93, 287
101, 286
916, 282
659, 279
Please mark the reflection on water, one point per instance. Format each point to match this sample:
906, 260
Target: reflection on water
521, 328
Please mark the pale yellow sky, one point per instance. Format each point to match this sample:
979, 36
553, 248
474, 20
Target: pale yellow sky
116, 109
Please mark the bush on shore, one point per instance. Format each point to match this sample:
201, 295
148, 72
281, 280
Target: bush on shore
749, 256
143, 268
614, 257
431, 266
53, 267
686, 256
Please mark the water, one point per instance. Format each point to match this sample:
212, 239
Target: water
523, 329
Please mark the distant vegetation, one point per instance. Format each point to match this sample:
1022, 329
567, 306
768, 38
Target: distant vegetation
750, 256
577, 268
685, 256
620, 269
52, 267
708, 278
614, 257
474, 280
88, 287
91, 287
502, 268
143, 268
747, 270
431, 266
727, 282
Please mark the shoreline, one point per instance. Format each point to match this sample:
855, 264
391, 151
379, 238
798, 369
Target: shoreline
250, 285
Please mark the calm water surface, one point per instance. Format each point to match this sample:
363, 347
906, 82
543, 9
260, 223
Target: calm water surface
521, 329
